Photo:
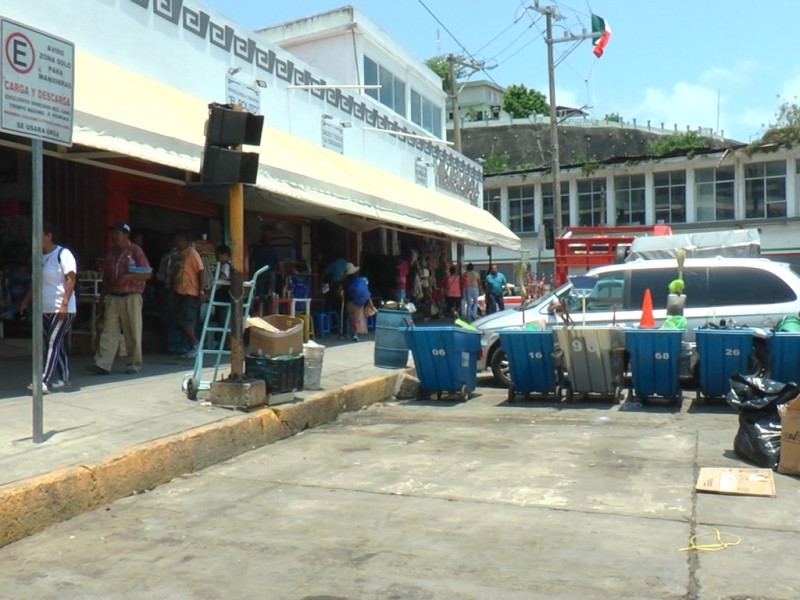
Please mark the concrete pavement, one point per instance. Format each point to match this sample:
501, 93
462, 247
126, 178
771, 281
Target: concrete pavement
438, 500
110, 436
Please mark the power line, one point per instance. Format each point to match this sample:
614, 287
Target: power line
455, 39
489, 43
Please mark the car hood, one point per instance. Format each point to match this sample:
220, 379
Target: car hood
512, 317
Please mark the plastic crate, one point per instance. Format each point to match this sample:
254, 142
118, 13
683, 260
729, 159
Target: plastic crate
281, 374
445, 359
530, 360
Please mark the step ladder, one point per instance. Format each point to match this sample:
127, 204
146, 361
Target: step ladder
219, 333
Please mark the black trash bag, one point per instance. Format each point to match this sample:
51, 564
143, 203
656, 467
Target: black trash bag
757, 400
753, 393
758, 440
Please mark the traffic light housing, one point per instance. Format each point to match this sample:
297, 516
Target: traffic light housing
226, 130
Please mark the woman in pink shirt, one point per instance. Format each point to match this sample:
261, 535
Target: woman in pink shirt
452, 292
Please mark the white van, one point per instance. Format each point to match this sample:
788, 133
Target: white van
748, 291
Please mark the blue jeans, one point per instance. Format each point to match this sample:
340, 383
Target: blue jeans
495, 303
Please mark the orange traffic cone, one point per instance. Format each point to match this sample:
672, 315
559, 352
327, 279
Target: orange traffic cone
647, 310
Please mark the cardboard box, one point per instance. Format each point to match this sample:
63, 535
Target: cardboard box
790, 438
741, 482
275, 335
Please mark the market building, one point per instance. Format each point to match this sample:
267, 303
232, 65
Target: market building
346, 169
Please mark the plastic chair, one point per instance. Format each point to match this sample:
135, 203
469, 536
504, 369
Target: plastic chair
308, 327
334, 321
322, 323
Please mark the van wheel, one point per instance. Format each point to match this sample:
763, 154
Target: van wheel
499, 366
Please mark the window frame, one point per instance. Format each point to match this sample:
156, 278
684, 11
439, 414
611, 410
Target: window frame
675, 201
625, 195
718, 182
526, 208
759, 187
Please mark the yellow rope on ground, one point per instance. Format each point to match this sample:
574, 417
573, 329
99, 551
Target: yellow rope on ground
719, 545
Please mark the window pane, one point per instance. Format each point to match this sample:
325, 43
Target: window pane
416, 107
371, 76
754, 199
437, 121
387, 88
705, 202
724, 201
399, 104
731, 286
776, 168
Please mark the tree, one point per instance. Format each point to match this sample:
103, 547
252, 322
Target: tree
613, 118
520, 102
678, 141
441, 66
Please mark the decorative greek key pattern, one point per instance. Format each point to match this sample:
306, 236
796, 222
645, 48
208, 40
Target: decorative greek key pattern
453, 173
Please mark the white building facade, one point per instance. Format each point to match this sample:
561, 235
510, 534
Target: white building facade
725, 189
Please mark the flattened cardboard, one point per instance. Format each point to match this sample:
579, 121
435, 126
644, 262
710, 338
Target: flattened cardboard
738, 482
790, 438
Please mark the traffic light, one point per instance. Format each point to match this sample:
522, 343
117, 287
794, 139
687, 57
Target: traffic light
226, 130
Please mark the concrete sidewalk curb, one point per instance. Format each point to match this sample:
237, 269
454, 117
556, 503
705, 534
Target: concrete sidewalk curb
30, 505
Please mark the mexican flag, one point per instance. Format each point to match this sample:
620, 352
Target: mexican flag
600, 26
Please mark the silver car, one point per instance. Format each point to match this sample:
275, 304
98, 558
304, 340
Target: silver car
748, 291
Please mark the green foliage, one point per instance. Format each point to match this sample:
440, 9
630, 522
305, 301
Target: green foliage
441, 66
786, 128
613, 118
520, 102
496, 163
588, 165
526, 166
678, 141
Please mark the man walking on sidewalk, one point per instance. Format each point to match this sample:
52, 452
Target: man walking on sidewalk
125, 272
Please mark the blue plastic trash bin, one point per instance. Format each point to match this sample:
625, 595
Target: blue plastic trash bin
655, 362
784, 357
445, 359
530, 361
722, 353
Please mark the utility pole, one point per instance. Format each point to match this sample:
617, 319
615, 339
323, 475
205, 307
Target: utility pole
550, 13
453, 60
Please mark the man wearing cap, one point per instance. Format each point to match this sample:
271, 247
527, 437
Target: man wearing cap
125, 272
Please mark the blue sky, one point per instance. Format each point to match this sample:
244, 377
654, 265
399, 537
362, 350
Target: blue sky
722, 64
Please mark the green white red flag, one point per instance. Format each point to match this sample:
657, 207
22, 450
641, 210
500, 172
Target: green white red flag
601, 27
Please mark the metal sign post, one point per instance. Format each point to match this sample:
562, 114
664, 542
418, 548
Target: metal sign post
37, 80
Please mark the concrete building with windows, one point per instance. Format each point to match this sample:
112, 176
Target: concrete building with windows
733, 187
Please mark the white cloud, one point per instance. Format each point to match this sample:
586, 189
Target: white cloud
685, 104
736, 76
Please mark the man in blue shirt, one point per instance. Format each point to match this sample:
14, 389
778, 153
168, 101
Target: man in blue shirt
495, 289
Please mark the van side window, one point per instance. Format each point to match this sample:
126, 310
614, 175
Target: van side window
657, 280
607, 294
731, 285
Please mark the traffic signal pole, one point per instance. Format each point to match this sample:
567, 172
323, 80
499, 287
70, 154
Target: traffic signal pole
236, 220
229, 128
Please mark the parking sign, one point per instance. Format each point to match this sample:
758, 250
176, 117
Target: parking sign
37, 78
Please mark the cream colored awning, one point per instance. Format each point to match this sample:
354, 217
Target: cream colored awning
122, 112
